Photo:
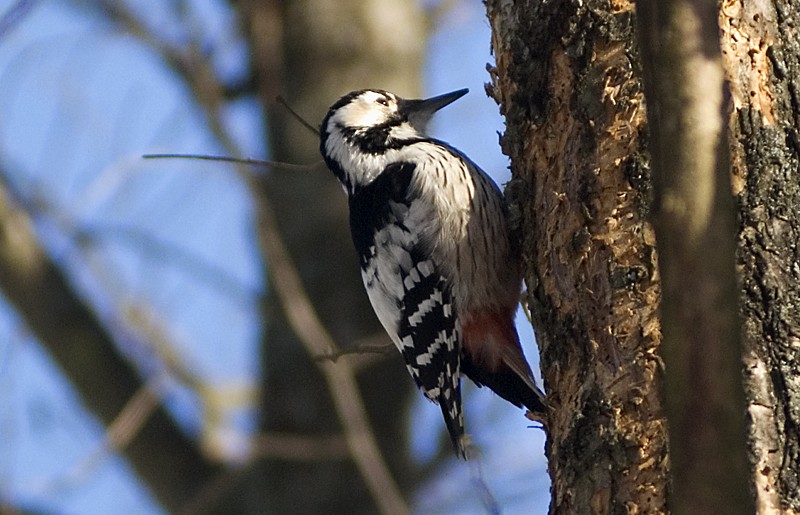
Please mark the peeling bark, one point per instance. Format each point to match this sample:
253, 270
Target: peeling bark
568, 82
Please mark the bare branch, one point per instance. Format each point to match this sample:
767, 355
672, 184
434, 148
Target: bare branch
14, 15
299, 447
381, 348
206, 272
118, 435
488, 499
266, 446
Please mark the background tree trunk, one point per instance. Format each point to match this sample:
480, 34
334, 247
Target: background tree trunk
694, 217
312, 52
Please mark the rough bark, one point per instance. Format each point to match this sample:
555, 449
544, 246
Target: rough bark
321, 50
160, 453
761, 49
568, 81
694, 218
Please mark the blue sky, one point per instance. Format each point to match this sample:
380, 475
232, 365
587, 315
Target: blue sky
80, 104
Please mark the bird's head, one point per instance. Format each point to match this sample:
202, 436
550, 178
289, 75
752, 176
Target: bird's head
369, 122
379, 115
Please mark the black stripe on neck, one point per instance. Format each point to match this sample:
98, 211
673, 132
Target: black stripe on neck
376, 140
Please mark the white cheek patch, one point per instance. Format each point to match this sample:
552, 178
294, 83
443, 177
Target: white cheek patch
404, 131
363, 115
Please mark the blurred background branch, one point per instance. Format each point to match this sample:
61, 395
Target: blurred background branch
82, 346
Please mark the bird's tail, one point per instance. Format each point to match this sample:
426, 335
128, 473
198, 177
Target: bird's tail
493, 357
452, 411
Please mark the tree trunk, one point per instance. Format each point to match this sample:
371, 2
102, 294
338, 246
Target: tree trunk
568, 82
312, 52
761, 51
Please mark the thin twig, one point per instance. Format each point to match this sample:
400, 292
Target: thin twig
268, 445
118, 435
314, 130
206, 272
133, 416
488, 499
276, 165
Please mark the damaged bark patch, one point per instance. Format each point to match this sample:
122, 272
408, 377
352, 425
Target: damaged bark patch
568, 82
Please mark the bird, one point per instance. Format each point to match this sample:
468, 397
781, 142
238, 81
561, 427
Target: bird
437, 258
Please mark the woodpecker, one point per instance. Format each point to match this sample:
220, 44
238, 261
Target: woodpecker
437, 260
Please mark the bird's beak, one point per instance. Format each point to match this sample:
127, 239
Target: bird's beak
419, 112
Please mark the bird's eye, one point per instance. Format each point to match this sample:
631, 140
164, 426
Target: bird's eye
382, 101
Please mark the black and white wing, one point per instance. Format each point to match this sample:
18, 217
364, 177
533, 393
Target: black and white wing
412, 299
